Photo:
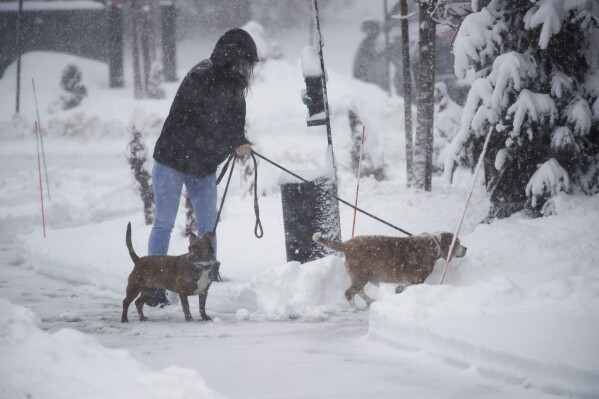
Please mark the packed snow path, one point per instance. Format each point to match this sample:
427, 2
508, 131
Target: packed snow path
247, 359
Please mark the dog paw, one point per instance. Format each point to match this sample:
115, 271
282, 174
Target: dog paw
188, 318
143, 318
206, 318
124, 321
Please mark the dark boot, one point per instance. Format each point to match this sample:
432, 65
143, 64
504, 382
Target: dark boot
155, 297
214, 272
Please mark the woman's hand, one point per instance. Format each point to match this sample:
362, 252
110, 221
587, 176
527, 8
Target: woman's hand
243, 151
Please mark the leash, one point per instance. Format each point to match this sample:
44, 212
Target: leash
327, 193
258, 230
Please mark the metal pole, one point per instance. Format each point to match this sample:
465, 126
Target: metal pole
19, 51
386, 29
323, 76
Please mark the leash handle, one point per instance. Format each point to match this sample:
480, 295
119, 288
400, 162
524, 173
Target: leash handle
258, 230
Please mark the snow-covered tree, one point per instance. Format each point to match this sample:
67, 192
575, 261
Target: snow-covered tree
535, 71
446, 126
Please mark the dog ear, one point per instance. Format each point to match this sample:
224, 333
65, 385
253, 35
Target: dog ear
446, 239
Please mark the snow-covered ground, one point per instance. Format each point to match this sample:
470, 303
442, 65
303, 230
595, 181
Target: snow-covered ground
517, 317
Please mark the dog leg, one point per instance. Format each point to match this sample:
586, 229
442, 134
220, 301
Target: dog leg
352, 291
400, 288
365, 297
203, 297
132, 292
185, 305
139, 304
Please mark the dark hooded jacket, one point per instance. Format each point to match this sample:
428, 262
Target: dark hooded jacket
207, 118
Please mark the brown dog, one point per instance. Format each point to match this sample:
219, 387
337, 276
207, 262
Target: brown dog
188, 274
382, 259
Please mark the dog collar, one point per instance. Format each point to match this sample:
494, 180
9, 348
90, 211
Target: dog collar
205, 265
439, 250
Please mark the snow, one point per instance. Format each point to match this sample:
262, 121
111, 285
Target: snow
579, 115
517, 317
547, 13
476, 41
550, 14
549, 179
311, 62
510, 73
531, 107
560, 83
70, 364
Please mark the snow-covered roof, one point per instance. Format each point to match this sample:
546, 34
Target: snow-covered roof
52, 5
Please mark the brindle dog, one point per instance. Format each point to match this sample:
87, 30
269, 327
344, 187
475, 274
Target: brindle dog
188, 274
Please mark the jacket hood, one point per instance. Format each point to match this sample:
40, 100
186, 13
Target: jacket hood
233, 45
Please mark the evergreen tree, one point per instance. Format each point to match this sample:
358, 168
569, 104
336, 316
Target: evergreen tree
536, 85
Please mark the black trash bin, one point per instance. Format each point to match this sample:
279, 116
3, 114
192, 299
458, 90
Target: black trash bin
307, 210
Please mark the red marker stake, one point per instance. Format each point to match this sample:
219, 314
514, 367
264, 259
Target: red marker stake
353, 228
39, 169
457, 231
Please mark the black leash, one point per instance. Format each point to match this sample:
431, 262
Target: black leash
327, 193
258, 231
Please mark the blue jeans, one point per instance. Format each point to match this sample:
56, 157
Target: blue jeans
167, 184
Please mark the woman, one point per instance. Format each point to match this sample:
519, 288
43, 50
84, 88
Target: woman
204, 126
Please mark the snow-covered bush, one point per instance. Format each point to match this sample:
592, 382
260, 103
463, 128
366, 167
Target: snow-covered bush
137, 154
535, 67
73, 90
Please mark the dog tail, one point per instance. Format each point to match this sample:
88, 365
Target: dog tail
132, 253
334, 245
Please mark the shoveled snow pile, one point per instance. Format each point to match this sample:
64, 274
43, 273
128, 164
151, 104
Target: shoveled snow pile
70, 364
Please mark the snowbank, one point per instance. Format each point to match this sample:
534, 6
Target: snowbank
70, 364
523, 305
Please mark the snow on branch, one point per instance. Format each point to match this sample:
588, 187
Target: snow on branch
510, 72
562, 138
548, 14
579, 115
477, 109
552, 14
531, 107
547, 181
477, 41
561, 84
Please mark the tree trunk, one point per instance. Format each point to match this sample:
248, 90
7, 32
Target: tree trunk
144, 43
138, 88
423, 155
407, 89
